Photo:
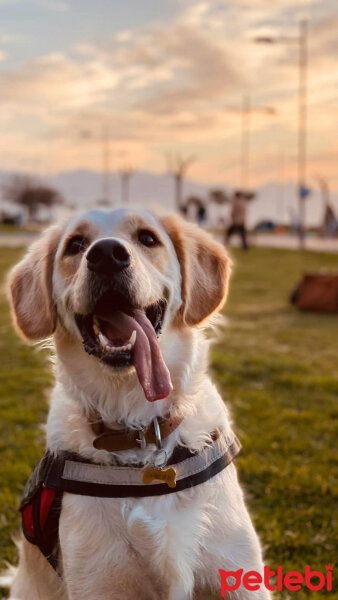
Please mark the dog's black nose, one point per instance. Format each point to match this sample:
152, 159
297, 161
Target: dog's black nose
106, 256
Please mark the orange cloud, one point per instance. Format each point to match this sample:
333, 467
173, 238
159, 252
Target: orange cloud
175, 84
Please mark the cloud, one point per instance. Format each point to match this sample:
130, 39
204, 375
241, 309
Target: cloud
57, 79
9, 38
174, 83
277, 4
196, 68
55, 5
162, 69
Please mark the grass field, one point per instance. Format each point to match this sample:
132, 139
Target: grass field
278, 372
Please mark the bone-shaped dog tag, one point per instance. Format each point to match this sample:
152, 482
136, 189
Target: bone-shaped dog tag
168, 475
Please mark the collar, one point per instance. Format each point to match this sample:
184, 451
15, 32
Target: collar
115, 440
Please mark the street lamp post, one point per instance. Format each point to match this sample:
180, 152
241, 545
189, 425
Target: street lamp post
302, 41
125, 175
105, 139
246, 111
245, 142
302, 128
105, 173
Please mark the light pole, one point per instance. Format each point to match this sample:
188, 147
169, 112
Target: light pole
105, 138
302, 128
245, 142
105, 174
246, 111
302, 41
125, 175
177, 166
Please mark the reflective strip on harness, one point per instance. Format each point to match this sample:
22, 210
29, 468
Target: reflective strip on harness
129, 476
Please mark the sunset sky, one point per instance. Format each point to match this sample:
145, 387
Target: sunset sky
165, 75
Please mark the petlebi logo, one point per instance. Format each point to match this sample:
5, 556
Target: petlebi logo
291, 580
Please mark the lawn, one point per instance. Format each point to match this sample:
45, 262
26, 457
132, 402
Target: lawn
278, 372
31, 228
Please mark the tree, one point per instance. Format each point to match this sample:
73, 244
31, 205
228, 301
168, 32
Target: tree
219, 196
178, 166
125, 175
23, 191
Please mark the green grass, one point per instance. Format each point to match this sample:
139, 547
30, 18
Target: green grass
31, 228
24, 379
278, 372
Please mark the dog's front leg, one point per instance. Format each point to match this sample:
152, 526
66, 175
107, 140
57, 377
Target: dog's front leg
178, 592
99, 562
35, 578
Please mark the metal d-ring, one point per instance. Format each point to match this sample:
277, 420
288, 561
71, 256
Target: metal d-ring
157, 434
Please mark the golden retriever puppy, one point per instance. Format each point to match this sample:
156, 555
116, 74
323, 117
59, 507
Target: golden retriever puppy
150, 503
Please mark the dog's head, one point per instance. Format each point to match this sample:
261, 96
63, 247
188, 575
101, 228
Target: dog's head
115, 281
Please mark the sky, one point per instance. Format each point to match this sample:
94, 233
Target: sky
152, 78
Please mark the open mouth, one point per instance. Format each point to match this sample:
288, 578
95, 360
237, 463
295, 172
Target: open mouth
121, 336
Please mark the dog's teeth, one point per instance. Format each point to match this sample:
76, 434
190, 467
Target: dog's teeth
132, 339
103, 340
109, 348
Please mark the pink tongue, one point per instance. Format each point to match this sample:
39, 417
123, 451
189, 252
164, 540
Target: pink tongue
151, 369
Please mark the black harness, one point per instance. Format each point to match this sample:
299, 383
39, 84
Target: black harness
42, 499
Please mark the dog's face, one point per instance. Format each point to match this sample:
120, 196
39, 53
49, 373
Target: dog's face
117, 280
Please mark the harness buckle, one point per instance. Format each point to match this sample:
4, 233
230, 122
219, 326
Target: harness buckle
142, 442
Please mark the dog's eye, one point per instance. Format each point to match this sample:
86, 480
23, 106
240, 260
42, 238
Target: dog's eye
148, 238
76, 245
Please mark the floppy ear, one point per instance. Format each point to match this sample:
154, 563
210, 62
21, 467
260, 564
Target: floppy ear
205, 270
30, 289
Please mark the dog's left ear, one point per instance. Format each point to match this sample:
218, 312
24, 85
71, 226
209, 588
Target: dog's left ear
205, 270
30, 289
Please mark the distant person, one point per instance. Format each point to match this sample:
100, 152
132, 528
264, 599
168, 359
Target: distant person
201, 215
238, 220
295, 225
330, 224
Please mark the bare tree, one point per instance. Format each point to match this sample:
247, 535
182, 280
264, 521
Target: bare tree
125, 175
219, 196
325, 190
178, 166
22, 190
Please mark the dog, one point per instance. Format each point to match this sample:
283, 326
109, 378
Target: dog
127, 297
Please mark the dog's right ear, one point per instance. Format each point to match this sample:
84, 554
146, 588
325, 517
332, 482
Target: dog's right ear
30, 289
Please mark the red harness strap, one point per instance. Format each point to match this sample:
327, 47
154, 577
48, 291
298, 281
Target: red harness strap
40, 521
46, 500
27, 521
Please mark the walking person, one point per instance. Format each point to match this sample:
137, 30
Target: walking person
238, 220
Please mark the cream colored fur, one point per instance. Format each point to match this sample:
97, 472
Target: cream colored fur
163, 548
